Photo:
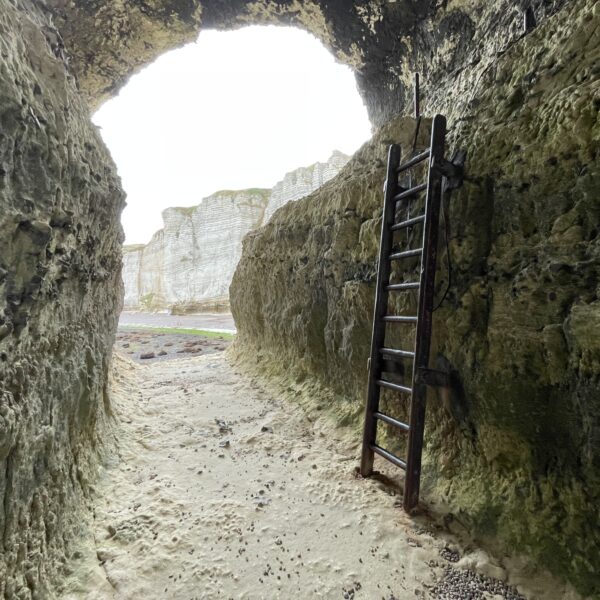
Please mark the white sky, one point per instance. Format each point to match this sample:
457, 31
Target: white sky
234, 110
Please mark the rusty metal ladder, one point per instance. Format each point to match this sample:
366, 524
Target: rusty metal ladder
422, 376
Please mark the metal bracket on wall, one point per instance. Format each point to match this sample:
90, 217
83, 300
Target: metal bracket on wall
452, 170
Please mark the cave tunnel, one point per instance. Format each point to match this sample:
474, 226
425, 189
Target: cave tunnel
209, 141
512, 453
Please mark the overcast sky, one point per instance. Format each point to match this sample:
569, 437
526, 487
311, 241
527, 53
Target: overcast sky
234, 110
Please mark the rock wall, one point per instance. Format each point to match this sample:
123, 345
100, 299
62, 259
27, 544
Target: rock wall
188, 265
513, 451
303, 181
384, 42
60, 293
190, 262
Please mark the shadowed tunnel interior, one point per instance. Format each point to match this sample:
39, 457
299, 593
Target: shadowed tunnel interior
512, 452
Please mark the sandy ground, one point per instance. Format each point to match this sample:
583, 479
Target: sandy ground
209, 322
221, 490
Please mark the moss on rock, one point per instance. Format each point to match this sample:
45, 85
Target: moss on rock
514, 449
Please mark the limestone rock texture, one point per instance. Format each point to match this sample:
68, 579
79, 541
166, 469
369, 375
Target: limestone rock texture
383, 41
60, 294
190, 262
513, 451
188, 265
303, 181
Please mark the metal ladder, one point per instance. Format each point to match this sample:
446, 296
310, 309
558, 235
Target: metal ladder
422, 376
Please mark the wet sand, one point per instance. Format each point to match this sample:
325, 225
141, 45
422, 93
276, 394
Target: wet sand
142, 345
208, 322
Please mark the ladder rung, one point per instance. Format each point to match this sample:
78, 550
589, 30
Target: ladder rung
397, 353
394, 386
391, 421
396, 287
389, 456
408, 223
406, 254
385, 370
398, 319
410, 192
414, 161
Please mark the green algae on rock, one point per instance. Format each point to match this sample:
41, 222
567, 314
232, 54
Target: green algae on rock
514, 449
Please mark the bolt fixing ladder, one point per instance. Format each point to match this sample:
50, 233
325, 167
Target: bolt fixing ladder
422, 376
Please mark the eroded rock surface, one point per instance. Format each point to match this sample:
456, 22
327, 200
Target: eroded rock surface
188, 265
303, 181
514, 449
384, 42
190, 262
60, 293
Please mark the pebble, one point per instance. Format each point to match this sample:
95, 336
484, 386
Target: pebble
223, 426
449, 554
458, 584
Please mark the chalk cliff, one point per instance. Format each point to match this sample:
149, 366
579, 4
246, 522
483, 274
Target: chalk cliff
303, 181
188, 265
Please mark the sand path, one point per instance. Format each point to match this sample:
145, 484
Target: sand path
222, 491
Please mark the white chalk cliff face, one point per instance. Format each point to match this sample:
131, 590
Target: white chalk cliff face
303, 181
188, 265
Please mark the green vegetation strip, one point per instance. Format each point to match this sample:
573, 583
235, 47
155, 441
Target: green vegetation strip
177, 331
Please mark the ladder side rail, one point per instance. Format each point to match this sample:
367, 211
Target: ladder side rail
381, 302
425, 314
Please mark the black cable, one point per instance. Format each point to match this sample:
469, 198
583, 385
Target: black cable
446, 236
414, 148
416, 135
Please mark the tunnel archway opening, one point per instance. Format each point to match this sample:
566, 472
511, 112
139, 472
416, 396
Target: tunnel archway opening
210, 140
